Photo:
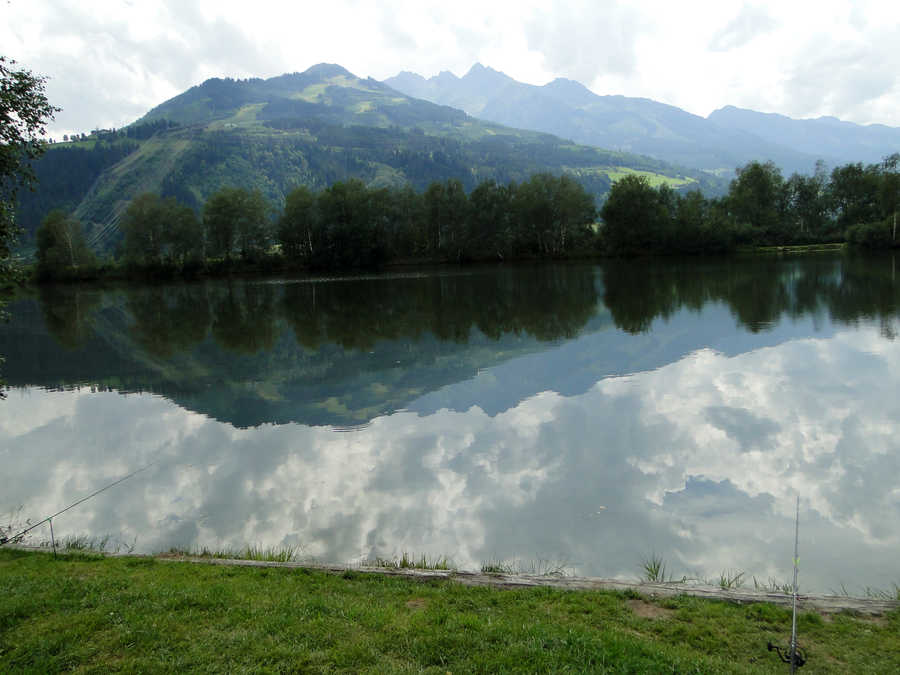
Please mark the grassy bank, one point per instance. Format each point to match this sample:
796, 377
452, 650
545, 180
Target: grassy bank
86, 613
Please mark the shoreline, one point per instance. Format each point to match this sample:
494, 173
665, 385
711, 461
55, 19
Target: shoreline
90, 613
824, 604
216, 270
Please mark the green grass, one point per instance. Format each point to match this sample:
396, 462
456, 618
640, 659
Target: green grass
408, 561
773, 585
498, 567
92, 614
262, 553
86, 544
540, 567
892, 593
654, 569
655, 179
882, 594
731, 579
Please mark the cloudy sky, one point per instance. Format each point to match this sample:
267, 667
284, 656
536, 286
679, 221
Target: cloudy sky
109, 61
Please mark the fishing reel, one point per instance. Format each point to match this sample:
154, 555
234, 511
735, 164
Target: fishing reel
784, 653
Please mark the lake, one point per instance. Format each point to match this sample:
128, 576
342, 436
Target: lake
590, 416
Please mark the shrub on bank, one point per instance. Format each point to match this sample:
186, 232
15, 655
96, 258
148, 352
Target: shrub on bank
875, 235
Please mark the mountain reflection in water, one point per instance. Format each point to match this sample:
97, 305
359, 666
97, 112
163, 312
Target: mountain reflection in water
589, 414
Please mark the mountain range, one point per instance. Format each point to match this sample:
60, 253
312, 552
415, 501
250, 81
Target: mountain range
326, 125
312, 128
728, 138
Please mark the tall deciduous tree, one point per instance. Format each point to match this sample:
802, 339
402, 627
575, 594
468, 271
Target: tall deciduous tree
61, 244
144, 223
757, 197
236, 221
407, 210
161, 230
854, 194
552, 213
635, 216
808, 203
446, 208
24, 113
353, 227
297, 228
889, 194
185, 239
574, 212
491, 219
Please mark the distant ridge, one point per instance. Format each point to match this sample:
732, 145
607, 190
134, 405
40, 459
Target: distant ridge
845, 141
727, 139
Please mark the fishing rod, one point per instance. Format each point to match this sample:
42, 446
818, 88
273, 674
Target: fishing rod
794, 655
49, 519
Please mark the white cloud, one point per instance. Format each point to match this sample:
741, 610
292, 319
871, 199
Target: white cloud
111, 61
751, 22
584, 40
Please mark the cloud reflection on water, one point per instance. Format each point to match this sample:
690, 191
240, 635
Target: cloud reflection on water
698, 460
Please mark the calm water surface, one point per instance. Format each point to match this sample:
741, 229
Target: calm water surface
588, 415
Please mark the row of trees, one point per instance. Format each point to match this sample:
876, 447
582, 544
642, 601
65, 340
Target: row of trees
347, 225
350, 225
854, 201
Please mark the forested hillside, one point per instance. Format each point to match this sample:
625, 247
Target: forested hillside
304, 129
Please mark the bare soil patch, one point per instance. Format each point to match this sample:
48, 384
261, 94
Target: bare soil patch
647, 610
417, 603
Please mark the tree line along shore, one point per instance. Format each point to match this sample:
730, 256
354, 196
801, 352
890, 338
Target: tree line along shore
350, 225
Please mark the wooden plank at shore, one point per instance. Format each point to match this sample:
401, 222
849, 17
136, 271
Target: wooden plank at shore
828, 604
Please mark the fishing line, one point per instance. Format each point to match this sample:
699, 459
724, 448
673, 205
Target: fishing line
7, 540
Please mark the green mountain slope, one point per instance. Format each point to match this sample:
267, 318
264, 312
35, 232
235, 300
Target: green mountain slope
311, 128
